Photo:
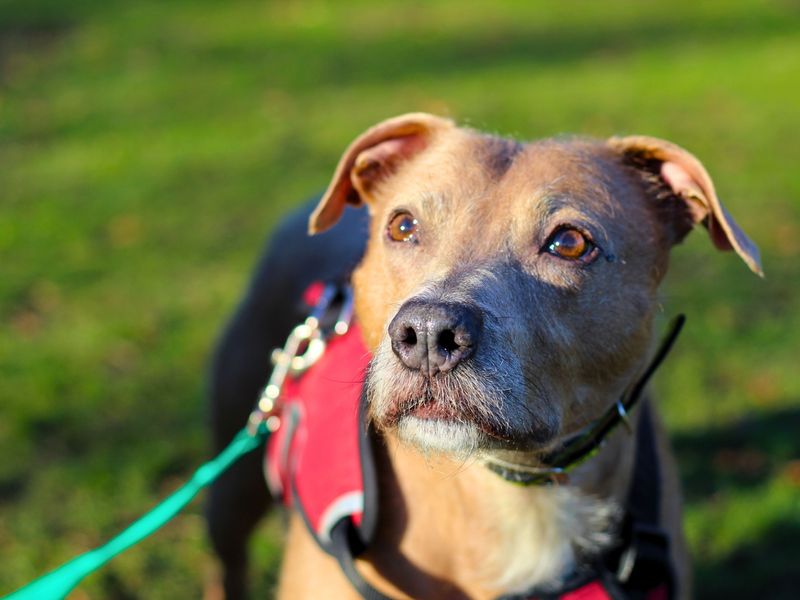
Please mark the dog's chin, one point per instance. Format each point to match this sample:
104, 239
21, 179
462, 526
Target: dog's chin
463, 438
441, 436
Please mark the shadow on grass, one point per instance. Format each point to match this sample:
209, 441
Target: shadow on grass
731, 459
765, 569
740, 456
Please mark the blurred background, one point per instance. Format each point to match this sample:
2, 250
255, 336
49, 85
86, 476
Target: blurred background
147, 148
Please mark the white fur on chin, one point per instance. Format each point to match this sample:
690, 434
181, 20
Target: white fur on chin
458, 439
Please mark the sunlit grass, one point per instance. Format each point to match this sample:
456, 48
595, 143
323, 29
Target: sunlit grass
146, 149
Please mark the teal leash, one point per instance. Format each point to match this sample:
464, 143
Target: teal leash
303, 348
60, 582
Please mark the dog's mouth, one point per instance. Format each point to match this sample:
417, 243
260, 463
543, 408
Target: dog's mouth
427, 406
421, 408
433, 410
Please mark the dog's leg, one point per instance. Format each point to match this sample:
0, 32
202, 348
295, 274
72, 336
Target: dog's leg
239, 498
230, 529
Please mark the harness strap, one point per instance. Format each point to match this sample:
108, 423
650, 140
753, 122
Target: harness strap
645, 563
644, 497
345, 547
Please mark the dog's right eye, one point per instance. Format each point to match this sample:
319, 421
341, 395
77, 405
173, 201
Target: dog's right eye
402, 228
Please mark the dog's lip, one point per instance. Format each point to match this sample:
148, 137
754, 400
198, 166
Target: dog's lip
433, 410
427, 409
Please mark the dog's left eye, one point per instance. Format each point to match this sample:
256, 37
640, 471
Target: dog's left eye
402, 228
571, 244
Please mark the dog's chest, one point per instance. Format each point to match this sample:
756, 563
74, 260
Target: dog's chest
541, 533
467, 525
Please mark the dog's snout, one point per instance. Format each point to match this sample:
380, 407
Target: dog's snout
433, 337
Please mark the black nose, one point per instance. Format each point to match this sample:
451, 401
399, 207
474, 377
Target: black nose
434, 336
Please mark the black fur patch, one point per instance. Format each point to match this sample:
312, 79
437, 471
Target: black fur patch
500, 155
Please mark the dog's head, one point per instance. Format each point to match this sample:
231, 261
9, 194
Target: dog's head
508, 289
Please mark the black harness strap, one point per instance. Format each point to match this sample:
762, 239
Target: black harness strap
644, 497
345, 546
645, 562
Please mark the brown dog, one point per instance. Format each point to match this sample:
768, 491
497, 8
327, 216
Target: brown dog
507, 294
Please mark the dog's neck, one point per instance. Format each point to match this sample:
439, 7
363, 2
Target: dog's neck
508, 537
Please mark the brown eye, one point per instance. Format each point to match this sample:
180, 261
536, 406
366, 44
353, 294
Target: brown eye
571, 244
402, 228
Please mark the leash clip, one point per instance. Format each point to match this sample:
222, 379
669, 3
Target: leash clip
303, 348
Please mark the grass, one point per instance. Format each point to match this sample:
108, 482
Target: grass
147, 148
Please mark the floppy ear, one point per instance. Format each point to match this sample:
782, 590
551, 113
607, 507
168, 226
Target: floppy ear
373, 156
672, 169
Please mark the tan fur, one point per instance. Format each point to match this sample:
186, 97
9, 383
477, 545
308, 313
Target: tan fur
560, 343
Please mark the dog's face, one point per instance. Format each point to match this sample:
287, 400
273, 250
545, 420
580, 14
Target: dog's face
508, 290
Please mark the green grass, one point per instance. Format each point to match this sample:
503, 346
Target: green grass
146, 148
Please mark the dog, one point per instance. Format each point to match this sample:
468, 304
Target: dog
507, 293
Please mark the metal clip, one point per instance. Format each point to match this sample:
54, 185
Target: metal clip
298, 362
304, 347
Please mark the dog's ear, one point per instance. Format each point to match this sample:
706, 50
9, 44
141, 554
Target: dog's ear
373, 156
681, 183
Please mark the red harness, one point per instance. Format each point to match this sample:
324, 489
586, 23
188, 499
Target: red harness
314, 461
319, 462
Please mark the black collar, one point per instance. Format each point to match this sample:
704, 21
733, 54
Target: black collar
585, 443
